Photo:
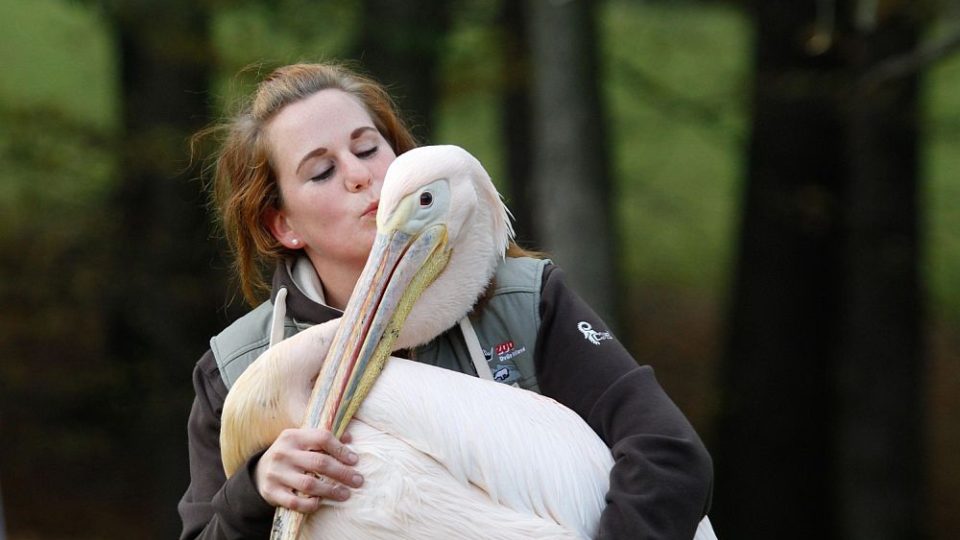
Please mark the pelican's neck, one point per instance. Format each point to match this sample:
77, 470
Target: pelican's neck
473, 261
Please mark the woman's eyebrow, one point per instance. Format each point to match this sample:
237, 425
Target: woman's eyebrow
360, 131
319, 151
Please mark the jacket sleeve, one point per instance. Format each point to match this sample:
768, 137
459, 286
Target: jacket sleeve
662, 476
214, 506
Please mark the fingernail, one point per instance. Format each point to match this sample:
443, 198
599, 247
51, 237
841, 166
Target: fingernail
342, 493
357, 480
352, 458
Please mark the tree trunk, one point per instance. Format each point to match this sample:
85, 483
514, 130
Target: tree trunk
881, 357
400, 44
825, 339
167, 280
773, 466
570, 173
516, 121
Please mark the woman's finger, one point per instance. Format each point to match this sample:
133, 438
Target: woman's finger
301, 503
308, 485
321, 464
324, 441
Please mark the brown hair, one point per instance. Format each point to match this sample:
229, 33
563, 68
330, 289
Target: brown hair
244, 184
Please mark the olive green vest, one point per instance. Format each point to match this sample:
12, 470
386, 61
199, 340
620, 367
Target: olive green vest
506, 328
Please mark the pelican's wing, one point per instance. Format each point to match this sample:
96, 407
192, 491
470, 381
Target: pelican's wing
526, 451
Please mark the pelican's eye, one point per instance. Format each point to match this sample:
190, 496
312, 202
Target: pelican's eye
420, 208
426, 199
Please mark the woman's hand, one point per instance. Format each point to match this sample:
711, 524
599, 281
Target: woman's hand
304, 466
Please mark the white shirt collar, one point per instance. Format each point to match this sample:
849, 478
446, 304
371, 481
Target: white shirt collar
306, 279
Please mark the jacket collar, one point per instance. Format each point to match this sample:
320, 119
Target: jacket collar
299, 306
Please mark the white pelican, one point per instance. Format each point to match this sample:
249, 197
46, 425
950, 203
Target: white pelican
434, 466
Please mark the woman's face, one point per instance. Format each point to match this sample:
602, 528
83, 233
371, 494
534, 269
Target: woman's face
330, 161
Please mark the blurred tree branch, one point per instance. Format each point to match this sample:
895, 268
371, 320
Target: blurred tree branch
912, 62
674, 103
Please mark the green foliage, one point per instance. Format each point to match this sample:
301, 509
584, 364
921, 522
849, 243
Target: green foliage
56, 173
942, 221
471, 74
252, 38
58, 105
58, 56
675, 80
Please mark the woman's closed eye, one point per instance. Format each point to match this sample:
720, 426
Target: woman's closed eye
327, 173
331, 170
364, 154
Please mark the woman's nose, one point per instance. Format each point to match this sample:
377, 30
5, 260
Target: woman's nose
358, 175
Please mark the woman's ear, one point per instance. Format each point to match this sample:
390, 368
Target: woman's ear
276, 221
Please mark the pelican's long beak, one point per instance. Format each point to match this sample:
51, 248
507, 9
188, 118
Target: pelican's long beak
400, 266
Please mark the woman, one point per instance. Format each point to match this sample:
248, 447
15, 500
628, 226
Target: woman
297, 182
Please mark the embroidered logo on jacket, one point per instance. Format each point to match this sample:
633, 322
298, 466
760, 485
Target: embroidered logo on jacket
507, 350
503, 367
592, 335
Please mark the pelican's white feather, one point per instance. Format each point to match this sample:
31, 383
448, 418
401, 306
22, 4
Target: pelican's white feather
437, 465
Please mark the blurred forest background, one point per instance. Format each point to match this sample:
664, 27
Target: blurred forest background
760, 196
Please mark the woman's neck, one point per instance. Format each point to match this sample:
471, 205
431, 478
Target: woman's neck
338, 280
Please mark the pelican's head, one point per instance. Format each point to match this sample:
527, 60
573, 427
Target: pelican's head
441, 231
444, 194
